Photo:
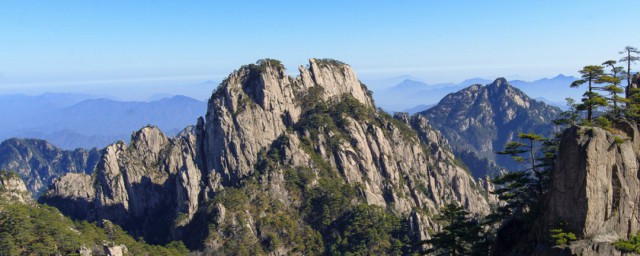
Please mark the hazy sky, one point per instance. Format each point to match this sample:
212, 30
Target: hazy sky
98, 43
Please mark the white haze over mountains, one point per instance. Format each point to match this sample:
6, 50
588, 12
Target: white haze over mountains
95, 116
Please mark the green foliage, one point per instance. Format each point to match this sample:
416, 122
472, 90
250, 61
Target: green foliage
617, 140
603, 122
521, 191
43, 230
560, 236
233, 199
461, 234
569, 117
330, 62
591, 101
632, 110
612, 81
630, 57
327, 202
264, 63
514, 189
630, 245
369, 230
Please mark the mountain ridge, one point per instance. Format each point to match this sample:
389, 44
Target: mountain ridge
479, 120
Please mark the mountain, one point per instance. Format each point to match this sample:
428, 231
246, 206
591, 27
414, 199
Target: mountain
280, 165
479, 120
38, 162
72, 121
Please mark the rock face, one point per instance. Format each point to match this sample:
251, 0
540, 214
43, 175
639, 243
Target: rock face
595, 191
13, 189
39, 162
145, 187
256, 104
267, 140
479, 120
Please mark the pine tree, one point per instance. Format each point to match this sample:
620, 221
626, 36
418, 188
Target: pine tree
460, 235
629, 58
612, 81
570, 116
522, 190
592, 100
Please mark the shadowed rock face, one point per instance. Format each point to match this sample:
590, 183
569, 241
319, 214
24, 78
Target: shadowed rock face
162, 187
39, 162
480, 120
144, 186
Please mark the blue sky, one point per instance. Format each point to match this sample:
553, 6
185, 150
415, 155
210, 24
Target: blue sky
97, 43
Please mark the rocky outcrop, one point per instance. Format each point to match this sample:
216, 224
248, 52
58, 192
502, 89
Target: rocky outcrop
265, 138
479, 120
13, 189
596, 184
39, 162
594, 193
151, 187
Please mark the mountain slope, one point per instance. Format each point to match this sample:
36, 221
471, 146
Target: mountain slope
38, 162
280, 165
479, 120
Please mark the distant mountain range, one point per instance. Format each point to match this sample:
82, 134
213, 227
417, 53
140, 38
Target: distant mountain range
77, 120
411, 95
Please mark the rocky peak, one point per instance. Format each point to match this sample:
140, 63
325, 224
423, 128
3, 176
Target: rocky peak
479, 120
499, 82
336, 78
266, 101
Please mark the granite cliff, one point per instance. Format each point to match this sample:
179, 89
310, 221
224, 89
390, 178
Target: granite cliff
593, 195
